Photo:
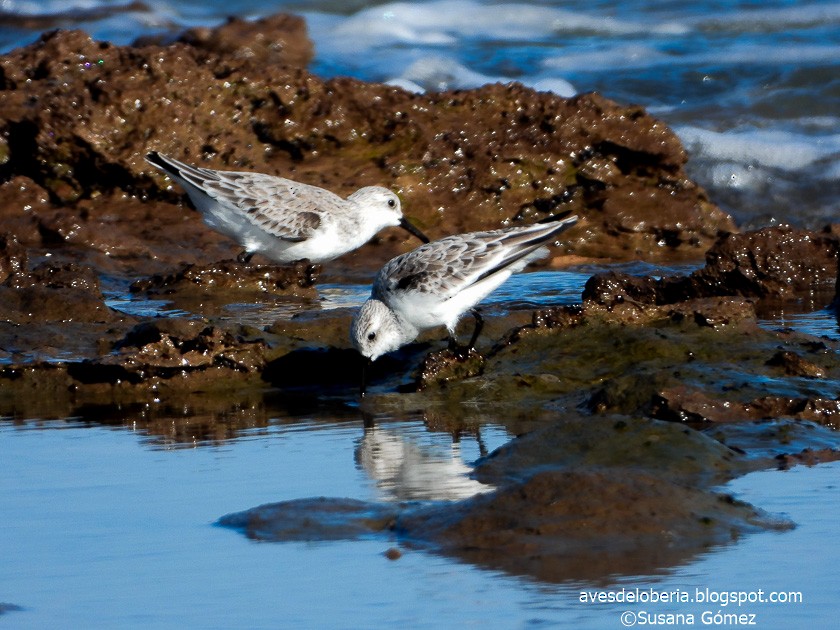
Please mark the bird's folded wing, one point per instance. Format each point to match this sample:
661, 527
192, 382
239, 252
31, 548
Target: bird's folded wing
285, 209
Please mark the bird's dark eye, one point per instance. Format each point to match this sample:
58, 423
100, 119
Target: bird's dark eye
392, 203
371, 336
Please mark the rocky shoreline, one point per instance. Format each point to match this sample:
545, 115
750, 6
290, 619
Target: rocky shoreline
640, 361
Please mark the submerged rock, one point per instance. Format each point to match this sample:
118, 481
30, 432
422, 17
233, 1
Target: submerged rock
585, 524
680, 454
556, 525
312, 519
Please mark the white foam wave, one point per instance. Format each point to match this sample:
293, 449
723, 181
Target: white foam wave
648, 55
775, 19
436, 73
753, 150
446, 22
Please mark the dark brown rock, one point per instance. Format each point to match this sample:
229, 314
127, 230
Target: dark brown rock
78, 115
795, 365
21, 201
603, 442
566, 524
445, 365
169, 348
778, 262
229, 275
66, 293
274, 40
685, 404
12, 257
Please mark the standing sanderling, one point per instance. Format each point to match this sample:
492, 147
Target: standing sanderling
282, 219
435, 284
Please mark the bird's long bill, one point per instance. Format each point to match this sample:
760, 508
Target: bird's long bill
408, 227
363, 385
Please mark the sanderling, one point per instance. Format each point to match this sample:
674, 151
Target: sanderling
282, 219
435, 284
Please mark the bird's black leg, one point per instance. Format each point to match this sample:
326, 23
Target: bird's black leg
245, 256
453, 346
479, 324
464, 351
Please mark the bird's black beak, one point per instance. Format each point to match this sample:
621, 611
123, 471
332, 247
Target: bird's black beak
363, 385
408, 227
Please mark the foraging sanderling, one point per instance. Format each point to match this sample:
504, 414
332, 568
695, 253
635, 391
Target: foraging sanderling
435, 284
282, 219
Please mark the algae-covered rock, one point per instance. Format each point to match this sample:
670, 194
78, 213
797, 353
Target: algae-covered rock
587, 524
78, 115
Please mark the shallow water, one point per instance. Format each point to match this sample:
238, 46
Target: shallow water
106, 527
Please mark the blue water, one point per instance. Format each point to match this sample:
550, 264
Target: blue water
103, 528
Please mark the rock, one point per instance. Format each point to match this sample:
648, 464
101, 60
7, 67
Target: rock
312, 519
21, 202
229, 275
445, 365
586, 524
78, 116
13, 257
169, 348
274, 40
685, 404
683, 455
48, 293
778, 262
795, 365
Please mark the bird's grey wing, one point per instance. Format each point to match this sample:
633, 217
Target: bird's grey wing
450, 265
442, 267
281, 207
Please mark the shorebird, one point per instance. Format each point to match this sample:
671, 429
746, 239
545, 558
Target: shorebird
435, 284
282, 219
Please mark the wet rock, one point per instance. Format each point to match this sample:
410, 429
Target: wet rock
229, 275
445, 365
779, 442
49, 293
685, 404
173, 347
715, 312
795, 365
21, 200
274, 40
13, 257
585, 524
312, 519
778, 262
682, 455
